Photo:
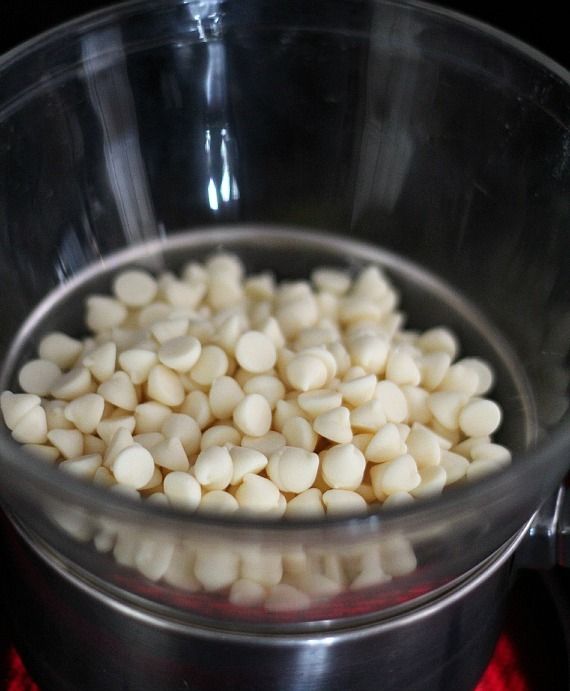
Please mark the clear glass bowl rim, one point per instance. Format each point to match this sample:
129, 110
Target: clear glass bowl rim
23, 471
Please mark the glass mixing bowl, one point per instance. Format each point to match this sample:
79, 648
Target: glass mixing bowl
292, 134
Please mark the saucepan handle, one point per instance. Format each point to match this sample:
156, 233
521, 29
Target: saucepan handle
547, 542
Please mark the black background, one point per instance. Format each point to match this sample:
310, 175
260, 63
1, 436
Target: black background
541, 24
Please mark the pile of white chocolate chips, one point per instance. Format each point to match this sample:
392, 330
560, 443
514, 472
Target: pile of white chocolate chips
218, 392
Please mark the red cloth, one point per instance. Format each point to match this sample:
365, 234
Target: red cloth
503, 673
17, 678
505, 670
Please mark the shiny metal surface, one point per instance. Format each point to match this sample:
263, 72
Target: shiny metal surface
75, 638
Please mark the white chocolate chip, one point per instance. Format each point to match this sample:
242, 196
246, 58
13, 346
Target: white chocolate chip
460, 378
257, 494
270, 328
197, 406
169, 453
307, 504
31, 428
482, 468
417, 402
270, 387
433, 480
219, 435
284, 598
167, 329
218, 502
454, 465
38, 376
385, 445
84, 467
216, 568
153, 557
484, 373
164, 386
155, 484
69, 442
297, 314
150, 416
133, 466
260, 287
46, 453
108, 427
135, 288
370, 352
398, 475
85, 412
180, 354
15, 406
104, 478
137, 363
371, 572
393, 401
60, 349
285, 410
245, 593
343, 466
480, 417
72, 384
306, 372
488, 451
184, 428
212, 363
214, 468
104, 313
148, 439
331, 280
424, 447
368, 417
398, 499
245, 461
298, 432
319, 401
401, 368
255, 352
183, 490
355, 308
342, 501
120, 391
293, 469
445, 406
433, 367
267, 444
341, 357
252, 415
225, 394
182, 294
397, 555
334, 425
358, 390
438, 339
180, 572
101, 361
261, 565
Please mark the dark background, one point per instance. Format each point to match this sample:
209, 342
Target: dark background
539, 23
